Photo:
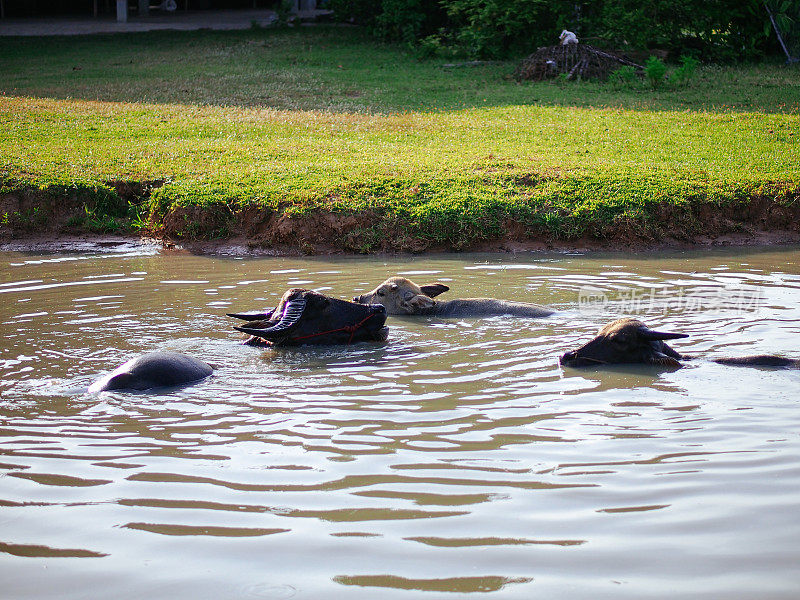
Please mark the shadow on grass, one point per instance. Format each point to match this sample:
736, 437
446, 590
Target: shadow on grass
339, 69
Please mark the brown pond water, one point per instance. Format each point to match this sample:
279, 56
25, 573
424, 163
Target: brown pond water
456, 458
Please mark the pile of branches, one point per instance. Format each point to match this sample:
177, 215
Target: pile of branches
575, 60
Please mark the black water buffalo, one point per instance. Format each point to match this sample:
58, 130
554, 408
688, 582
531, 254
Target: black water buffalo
306, 317
631, 341
153, 370
401, 296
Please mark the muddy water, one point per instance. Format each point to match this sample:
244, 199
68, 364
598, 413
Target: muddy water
456, 458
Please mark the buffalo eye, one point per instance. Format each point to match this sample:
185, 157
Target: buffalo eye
380, 293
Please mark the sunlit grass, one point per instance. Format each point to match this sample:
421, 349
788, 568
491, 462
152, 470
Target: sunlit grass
320, 119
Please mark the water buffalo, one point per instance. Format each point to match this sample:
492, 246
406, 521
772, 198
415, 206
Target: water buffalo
631, 341
152, 370
401, 296
306, 317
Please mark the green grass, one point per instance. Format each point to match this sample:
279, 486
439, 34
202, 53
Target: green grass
322, 119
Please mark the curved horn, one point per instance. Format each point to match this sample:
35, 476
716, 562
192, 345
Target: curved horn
262, 316
649, 334
292, 312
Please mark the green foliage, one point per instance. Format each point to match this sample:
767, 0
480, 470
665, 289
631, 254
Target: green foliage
623, 77
561, 79
686, 71
103, 210
438, 45
637, 24
497, 28
655, 70
98, 222
786, 14
27, 219
283, 11
403, 20
361, 12
721, 30
137, 216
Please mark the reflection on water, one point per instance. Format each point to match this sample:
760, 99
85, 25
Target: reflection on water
456, 457
451, 584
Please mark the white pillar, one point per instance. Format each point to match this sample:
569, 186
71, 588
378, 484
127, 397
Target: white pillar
122, 11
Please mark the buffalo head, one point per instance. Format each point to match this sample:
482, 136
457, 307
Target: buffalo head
306, 317
401, 296
625, 341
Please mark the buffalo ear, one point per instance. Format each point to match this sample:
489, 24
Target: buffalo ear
434, 289
651, 335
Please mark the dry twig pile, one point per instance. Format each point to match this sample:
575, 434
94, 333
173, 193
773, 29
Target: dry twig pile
575, 60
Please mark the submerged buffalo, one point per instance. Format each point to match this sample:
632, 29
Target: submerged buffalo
153, 370
306, 317
631, 341
401, 296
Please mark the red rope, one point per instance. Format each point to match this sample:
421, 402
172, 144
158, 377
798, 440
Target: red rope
351, 329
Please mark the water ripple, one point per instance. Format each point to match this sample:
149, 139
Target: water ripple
456, 457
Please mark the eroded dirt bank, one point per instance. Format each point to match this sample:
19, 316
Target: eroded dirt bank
64, 219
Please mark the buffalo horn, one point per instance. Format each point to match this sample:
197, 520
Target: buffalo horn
291, 315
649, 334
255, 316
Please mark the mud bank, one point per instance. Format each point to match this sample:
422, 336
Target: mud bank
97, 242
118, 214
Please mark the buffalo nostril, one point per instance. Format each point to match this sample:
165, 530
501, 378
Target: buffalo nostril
357, 299
568, 357
379, 308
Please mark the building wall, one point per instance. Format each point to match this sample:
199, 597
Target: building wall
56, 8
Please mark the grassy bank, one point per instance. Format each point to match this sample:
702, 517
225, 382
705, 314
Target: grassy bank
315, 137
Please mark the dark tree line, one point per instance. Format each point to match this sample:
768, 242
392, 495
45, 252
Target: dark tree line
712, 30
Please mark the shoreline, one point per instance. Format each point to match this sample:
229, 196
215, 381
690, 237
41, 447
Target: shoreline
56, 219
240, 247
